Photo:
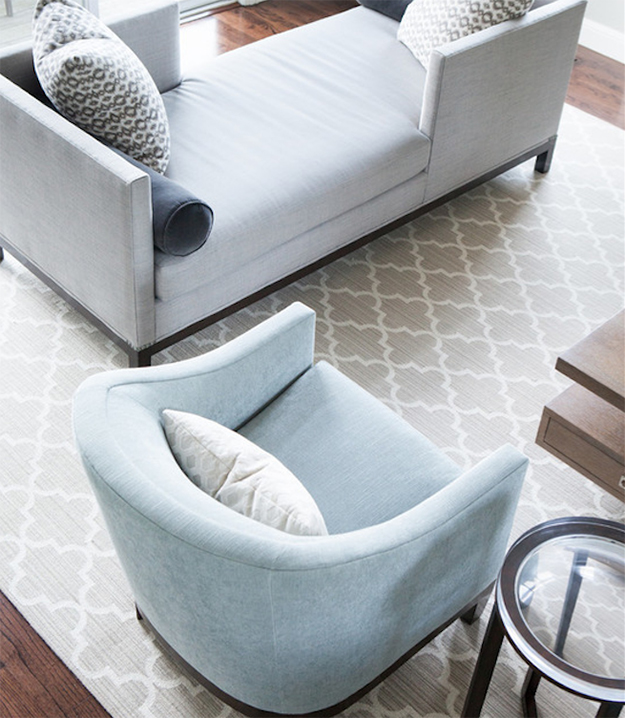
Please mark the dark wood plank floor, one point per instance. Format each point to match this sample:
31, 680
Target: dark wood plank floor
34, 683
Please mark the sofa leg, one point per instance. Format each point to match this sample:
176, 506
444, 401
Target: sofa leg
1, 254
138, 359
543, 160
476, 610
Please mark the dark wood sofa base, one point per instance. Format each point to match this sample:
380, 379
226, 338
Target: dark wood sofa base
469, 614
143, 357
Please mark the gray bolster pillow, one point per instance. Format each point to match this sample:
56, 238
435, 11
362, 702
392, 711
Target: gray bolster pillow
181, 221
392, 8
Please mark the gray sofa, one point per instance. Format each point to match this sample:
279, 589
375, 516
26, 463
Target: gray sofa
305, 145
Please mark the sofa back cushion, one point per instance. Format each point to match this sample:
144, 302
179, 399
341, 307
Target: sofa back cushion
326, 121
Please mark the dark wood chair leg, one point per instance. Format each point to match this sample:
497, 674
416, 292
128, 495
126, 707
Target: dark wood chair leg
472, 615
493, 638
543, 160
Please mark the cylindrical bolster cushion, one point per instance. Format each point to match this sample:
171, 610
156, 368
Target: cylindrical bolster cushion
392, 8
181, 221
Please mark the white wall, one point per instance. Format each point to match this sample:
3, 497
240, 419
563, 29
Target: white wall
604, 28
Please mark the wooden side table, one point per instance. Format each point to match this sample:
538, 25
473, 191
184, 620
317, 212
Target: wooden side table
585, 425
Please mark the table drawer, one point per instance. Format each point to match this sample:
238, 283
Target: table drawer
586, 433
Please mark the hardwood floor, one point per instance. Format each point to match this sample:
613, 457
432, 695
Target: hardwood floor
597, 86
34, 683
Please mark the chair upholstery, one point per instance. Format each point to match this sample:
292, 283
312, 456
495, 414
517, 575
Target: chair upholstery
283, 623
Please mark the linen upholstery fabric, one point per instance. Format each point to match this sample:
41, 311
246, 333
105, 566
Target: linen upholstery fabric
469, 128
182, 223
359, 125
427, 24
356, 438
233, 470
392, 8
100, 254
499, 117
260, 271
273, 619
102, 258
98, 83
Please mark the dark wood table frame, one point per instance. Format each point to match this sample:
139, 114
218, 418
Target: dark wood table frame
585, 425
506, 621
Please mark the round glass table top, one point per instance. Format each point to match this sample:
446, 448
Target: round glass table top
561, 598
570, 592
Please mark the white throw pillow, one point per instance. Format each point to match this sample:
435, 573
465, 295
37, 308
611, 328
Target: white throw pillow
428, 24
241, 475
97, 82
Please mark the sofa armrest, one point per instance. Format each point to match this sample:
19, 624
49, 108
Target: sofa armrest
78, 213
491, 96
154, 36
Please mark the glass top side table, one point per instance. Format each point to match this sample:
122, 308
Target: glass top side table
560, 601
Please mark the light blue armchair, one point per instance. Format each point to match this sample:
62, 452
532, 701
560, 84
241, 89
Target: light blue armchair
269, 620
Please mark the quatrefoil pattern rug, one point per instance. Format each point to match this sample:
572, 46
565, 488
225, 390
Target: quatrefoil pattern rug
454, 320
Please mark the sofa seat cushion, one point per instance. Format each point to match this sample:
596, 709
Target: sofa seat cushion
285, 134
347, 449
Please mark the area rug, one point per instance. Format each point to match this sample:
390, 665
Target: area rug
454, 320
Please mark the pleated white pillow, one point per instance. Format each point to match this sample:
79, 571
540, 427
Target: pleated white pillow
241, 475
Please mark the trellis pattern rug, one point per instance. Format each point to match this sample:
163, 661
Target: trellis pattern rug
454, 320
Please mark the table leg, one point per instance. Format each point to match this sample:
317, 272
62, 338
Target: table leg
570, 599
528, 693
491, 645
609, 710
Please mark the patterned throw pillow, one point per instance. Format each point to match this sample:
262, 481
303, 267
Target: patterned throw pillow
241, 475
428, 24
98, 83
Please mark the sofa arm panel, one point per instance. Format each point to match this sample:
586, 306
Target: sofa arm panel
16, 63
78, 213
154, 36
493, 95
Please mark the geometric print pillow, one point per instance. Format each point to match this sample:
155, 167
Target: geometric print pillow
241, 475
97, 82
428, 24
